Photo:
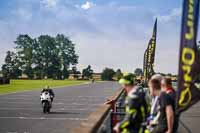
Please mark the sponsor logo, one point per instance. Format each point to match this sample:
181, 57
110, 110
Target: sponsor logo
187, 58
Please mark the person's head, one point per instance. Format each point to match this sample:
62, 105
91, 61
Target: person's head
166, 83
137, 81
154, 87
127, 81
158, 77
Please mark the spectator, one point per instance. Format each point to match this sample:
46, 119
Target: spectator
166, 85
136, 107
154, 98
163, 122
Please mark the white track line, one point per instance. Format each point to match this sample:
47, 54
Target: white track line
56, 103
64, 97
57, 99
61, 109
43, 118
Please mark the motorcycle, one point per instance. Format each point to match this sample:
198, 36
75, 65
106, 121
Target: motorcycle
45, 98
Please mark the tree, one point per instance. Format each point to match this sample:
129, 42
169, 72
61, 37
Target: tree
87, 72
138, 72
66, 53
169, 74
11, 67
45, 56
25, 48
107, 74
48, 56
162, 74
118, 74
75, 72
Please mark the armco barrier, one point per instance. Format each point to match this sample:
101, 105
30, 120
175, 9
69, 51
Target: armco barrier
99, 121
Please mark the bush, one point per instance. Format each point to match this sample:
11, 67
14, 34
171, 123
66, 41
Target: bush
107, 74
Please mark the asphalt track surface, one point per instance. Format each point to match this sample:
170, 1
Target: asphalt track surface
22, 112
191, 120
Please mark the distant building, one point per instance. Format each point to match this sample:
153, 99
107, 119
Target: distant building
75, 76
174, 78
23, 76
97, 76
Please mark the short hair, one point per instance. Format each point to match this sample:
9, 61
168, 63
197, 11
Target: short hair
158, 77
156, 84
167, 81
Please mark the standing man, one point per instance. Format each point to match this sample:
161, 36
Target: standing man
136, 107
167, 87
165, 115
154, 98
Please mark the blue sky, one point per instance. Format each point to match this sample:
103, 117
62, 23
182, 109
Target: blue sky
108, 33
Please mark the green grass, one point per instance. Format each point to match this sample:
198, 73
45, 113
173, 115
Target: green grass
23, 85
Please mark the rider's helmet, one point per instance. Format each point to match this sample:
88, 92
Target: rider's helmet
46, 87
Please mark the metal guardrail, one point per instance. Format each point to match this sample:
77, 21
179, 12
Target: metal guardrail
100, 120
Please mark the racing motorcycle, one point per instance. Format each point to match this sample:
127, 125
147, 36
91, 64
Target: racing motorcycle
45, 98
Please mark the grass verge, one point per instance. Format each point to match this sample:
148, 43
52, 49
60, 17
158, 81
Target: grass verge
23, 85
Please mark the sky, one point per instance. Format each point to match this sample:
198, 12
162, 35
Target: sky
107, 33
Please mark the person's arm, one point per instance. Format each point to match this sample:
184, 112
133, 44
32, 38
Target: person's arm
51, 92
110, 101
42, 91
170, 118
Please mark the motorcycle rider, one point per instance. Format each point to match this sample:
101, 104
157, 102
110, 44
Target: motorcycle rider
48, 89
136, 107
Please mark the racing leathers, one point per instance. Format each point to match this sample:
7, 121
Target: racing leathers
136, 111
50, 92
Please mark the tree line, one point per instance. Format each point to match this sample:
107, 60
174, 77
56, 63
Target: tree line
111, 74
41, 57
50, 57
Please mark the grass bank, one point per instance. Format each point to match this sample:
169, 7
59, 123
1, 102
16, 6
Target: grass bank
23, 85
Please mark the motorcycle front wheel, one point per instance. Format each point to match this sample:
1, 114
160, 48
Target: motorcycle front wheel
45, 107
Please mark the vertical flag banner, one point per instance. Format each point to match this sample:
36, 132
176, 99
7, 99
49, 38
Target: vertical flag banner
149, 56
189, 60
145, 65
149, 60
153, 48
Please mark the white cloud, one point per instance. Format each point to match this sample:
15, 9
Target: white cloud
87, 5
49, 3
176, 12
